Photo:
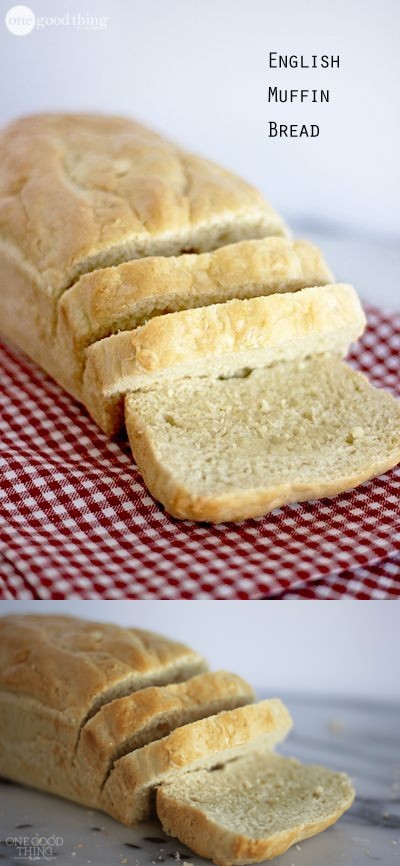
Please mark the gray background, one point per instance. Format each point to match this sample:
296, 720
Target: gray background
197, 71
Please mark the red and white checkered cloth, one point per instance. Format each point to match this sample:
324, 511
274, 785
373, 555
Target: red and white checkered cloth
77, 522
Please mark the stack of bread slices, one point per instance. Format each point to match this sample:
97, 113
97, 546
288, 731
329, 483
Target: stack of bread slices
132, 723
162, 291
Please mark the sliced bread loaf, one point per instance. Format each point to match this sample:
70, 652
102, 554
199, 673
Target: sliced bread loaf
218, 340
253, 808
124, 297
133, 721
236, 448
127, 793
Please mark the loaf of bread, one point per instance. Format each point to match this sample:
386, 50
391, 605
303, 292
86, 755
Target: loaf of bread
131, 267
120, 719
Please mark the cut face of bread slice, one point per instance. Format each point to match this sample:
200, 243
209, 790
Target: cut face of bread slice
128, 789
56, 672
237, 448
219, 340
124, 297
134, 721
253, 808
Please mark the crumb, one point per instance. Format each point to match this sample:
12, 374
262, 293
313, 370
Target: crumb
336, 726
125, 860
298, 848
185, 863
177, 855
247, 784
80, 845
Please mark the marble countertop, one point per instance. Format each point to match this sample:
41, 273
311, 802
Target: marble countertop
358, 737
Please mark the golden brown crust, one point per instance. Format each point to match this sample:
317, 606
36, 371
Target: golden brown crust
110, 300
218, 340
126, 794
133, 721
83, 191
69, 665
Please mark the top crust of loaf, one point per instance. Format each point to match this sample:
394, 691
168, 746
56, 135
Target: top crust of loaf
80, 191
69, 664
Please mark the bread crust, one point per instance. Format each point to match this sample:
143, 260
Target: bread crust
80, 191
127, 792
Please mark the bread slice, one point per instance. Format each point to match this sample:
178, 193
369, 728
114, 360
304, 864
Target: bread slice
133, 721
124, 297
218, 340
56, 672
127, 793
253, 808
236, 448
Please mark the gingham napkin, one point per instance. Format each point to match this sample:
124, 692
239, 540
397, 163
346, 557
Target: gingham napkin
77, 522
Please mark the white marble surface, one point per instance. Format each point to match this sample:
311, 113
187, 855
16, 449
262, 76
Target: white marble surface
359, 737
